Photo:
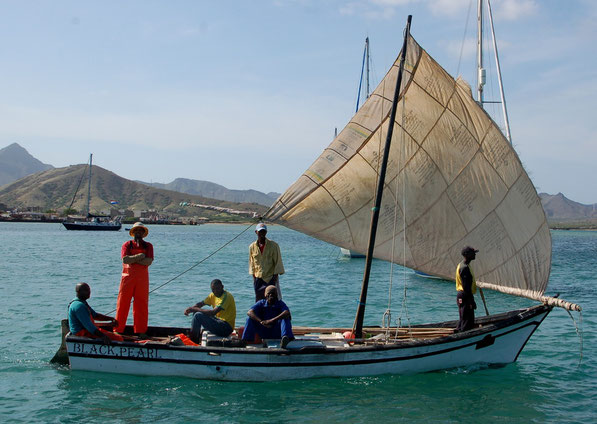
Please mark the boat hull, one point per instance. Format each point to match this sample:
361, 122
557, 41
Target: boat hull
92, 226
497, 342
350, 253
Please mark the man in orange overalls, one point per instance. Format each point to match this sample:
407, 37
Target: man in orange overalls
137, 255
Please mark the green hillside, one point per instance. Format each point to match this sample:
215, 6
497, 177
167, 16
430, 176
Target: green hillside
54, 190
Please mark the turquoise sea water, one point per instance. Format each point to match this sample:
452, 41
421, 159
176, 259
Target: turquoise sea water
40, 264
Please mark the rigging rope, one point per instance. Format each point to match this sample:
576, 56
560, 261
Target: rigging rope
404, 307
200, 262
468, 17
579, 333
387, 316
379, 153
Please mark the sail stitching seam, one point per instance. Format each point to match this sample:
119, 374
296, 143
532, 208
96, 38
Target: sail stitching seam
420, 147
414, 69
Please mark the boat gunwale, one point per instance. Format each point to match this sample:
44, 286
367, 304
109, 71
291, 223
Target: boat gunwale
513, 318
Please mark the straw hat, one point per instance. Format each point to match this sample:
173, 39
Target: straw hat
139, 225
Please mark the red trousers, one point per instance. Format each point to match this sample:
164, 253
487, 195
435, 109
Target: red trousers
134, 284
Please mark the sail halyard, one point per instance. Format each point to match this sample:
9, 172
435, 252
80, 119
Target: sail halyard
463, 181
358, 326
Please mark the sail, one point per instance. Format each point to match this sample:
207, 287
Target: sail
452, 180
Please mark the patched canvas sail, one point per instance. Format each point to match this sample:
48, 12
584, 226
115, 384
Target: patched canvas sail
452, 180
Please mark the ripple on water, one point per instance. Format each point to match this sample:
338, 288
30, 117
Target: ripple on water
545, 385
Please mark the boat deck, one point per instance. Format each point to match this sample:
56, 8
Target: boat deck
313, 338
306, 337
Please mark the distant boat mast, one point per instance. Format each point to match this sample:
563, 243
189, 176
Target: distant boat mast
89, 186
364, 68
481, 77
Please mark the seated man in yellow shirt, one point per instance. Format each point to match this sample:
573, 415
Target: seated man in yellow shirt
220, 319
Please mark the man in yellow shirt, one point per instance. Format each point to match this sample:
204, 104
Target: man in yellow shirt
220, 319
265, 263
466, 287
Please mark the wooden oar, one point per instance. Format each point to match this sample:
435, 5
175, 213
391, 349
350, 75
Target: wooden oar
61, 357
484, 303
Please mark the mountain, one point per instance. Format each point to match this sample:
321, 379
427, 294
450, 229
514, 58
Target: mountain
16, 162
54, 189
216, 191
559, 208
26, 181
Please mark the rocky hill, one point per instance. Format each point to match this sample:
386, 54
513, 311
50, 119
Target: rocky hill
558, 206
23, 185
216, 191
562, 212
54, 189
16, 163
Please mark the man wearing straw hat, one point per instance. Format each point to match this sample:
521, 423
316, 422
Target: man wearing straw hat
137, 255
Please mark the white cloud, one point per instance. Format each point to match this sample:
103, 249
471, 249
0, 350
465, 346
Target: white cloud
512, 10
182, 121
448, 7
392, 3
502, 9
454, 47
374, 10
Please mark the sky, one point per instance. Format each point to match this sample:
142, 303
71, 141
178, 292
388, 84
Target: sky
247, 94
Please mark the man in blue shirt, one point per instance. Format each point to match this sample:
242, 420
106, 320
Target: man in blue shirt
270, 318
81, 317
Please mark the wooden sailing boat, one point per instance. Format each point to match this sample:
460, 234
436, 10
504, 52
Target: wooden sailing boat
93, 222
464, 185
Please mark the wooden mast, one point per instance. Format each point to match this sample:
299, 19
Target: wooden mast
358, 325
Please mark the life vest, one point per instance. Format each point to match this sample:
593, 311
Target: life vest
459, 280
187, 341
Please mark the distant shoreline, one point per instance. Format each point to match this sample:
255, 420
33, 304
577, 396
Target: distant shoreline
48, 221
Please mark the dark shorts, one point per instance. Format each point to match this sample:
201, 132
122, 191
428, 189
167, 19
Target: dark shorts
259, 285
466, 311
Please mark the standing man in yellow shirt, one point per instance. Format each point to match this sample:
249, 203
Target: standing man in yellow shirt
220, 319
466, 287
265, 263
